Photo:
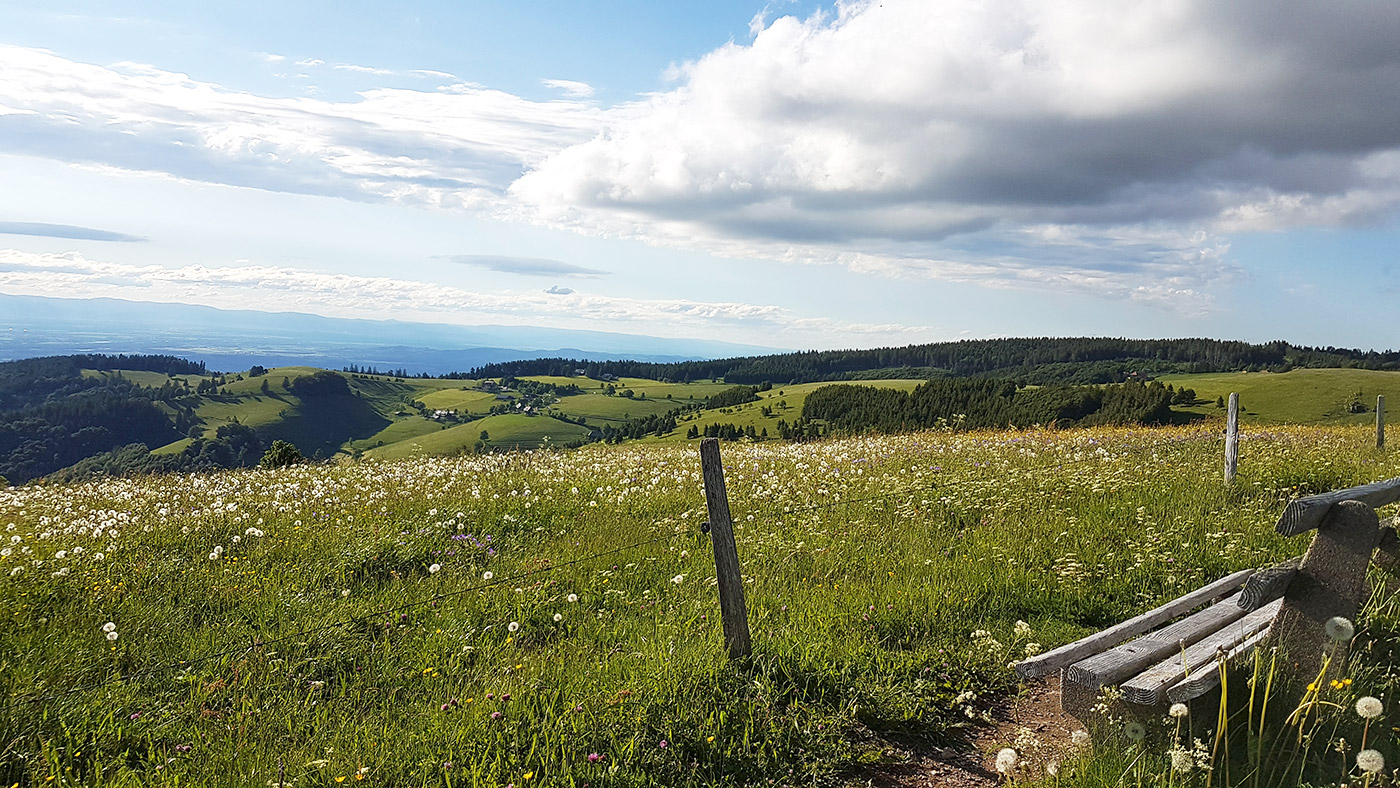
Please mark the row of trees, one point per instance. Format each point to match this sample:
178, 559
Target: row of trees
976, 403
1037, 360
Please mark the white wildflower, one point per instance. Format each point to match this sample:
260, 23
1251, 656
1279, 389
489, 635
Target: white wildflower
1022, 629
678, 579
573, 597
513, 626
558, 617
1178, 710
1006, 760
487, 575
109, 627
434, 569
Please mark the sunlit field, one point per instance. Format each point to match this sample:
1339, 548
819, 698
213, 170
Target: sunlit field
551, 618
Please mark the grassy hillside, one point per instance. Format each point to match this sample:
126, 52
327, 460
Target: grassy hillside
1300, 396
785, 403
509, 432
550, 619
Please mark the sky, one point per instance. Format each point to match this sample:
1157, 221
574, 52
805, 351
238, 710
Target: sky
795, 175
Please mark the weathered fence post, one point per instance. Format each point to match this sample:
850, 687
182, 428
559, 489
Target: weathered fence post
733, 610
1232, 438
1380, 421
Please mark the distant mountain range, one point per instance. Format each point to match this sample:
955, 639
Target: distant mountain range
237, 339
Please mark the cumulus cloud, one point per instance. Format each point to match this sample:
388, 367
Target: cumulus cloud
1108, 148
947, 139
569, 87
65, 231
557, 290
277, 288
528, 266
310, 62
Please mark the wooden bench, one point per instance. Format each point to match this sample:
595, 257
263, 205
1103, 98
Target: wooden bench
1171, 654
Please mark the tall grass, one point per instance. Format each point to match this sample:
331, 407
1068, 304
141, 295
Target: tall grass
868, 564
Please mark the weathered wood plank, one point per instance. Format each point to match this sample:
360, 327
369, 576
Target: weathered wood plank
1207, 677
1305, 514
1268, 584
1051, 661
1113, 666
733, 610
1149, 687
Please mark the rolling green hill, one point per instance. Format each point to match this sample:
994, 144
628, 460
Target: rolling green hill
1300, 396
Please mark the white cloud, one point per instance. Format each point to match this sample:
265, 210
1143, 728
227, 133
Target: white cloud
939, 139
275, 288
570, 88
310, 62
456, 146
363, 69
1076, 145
427, 72
271, 58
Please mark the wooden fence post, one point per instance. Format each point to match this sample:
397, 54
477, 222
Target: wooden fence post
1380, 421
733, 610
1232, 438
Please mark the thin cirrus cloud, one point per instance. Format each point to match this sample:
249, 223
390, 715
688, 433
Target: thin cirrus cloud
66, 231
569, 87
526, 266
276, 288
1074, 146
458, 146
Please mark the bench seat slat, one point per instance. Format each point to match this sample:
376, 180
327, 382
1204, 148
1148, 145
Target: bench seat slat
1207, 677
1121, 662
1070, 653
1149, 687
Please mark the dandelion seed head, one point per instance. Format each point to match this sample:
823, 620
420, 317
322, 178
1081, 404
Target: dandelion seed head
513, 626
434, 569
1370, 761
573, 597
1339, 628
1007, 760
1369, 707
1135, 731
1178, 710
558, 617
487, 575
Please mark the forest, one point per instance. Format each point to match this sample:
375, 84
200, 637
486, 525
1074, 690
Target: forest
1038, 361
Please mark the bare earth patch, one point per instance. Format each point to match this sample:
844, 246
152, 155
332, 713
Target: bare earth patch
1036, 709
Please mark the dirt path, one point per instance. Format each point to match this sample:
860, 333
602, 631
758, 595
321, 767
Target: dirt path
1031, 722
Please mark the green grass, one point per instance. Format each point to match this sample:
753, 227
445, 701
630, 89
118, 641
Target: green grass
785, 403
1300, 396
455, 399
869, 563
508, 431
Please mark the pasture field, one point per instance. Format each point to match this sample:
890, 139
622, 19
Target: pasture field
508, 431
471, 401
1299, 396
550, 618
784, 401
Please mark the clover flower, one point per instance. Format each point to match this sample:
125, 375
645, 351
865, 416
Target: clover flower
1369, 707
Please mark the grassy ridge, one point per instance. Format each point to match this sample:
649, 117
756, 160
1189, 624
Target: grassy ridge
869, 563
1300, 396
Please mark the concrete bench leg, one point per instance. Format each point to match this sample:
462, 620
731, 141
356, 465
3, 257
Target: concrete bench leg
1331, 582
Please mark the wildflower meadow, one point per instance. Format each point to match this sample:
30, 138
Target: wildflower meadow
550, 618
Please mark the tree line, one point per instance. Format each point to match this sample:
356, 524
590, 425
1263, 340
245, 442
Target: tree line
1034, 359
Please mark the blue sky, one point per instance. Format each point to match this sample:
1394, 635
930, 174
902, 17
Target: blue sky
796, 175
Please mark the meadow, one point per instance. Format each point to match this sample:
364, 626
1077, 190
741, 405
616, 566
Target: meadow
550, 618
